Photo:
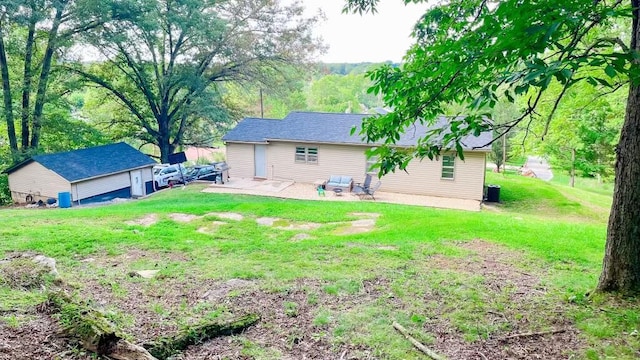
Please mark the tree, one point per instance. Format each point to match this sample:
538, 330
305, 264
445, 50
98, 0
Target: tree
32, 33
165, 61
475, 52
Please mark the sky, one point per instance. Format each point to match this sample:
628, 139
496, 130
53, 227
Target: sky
377, 37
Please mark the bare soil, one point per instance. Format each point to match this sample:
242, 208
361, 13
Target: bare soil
159, 307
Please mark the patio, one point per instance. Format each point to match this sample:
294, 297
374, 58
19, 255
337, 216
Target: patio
302, 191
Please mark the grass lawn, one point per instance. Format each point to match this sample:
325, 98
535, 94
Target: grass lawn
329, 278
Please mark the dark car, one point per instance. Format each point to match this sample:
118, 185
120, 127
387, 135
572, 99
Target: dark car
202, 172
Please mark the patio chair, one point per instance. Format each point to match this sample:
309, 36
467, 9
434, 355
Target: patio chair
369, 192
365, 185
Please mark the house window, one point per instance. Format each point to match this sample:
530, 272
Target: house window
448, 166
306, 155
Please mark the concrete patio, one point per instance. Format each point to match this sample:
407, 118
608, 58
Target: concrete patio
302, 191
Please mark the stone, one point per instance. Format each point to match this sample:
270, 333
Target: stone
145, 274
47, 262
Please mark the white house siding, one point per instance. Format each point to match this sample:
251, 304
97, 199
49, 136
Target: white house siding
332, 160
147, 174
423, 178
98, 186
240, 160
36, 180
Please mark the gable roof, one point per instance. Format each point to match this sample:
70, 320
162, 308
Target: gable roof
91, 162
332, 128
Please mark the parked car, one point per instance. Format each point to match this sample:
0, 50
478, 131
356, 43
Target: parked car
202, 172
169, 175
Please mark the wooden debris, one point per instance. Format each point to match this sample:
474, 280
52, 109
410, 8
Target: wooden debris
165, 347
529, 334
430, 353
95, 332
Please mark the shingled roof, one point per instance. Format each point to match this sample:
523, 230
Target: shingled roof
332, 128
92, 162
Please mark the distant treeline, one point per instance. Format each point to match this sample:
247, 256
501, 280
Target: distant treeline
350, 68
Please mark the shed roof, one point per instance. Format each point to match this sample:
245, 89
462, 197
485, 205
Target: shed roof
91, 162
333, 128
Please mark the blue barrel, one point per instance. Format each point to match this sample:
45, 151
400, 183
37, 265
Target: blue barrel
64, 199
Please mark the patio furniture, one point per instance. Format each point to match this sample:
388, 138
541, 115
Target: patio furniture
368, 192
339, 181
361, 186
337, 191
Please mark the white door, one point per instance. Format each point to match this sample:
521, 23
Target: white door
137, 186
260, 160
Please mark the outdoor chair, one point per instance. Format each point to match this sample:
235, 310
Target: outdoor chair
368, 192
365, 185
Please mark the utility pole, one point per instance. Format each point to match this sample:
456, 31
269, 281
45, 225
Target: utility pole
261, 105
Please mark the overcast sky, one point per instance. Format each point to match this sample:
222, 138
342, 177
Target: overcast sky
357, 38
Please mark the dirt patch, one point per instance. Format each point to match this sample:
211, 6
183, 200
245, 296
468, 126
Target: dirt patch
266, 221
211, 228
40, 338
183, 218
281, 224
226, 215
145, 221
357, 227
366, 214
220, 291
299, 226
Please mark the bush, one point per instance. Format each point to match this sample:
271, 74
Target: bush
5, 194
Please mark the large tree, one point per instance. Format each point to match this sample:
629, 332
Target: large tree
475, 52
32, 36
164, 62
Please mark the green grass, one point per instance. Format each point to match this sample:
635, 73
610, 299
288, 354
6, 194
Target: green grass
558, 233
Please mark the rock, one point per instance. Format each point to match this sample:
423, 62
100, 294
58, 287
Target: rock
145, 274
47, 262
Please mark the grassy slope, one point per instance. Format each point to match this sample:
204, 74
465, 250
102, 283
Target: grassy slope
562, 234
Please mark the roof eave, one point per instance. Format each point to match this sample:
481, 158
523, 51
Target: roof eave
109, 174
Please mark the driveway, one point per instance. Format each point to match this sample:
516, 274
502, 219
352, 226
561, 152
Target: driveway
540, 167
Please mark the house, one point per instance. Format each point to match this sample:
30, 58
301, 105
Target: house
308, 146
94, 174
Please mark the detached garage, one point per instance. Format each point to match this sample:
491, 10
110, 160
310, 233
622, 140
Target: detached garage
95, 174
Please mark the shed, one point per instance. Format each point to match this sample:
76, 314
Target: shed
93, 174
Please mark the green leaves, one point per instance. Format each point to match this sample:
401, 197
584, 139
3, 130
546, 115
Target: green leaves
470, 56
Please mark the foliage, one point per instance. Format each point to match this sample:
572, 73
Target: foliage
484, 54
5, 194
475, 53
341, 93
33, 36
166, 60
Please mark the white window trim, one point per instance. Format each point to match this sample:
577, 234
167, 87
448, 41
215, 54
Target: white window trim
307, 155
452, 167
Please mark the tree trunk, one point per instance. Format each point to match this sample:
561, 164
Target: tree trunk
6, 94
26, 84
44, 77
621, 265
572, 181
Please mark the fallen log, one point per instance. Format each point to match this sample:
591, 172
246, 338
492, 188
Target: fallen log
96, 333
165, 347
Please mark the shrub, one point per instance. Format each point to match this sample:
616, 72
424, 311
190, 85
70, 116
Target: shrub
5, 194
